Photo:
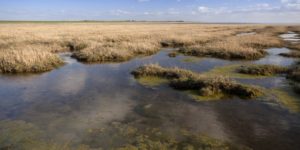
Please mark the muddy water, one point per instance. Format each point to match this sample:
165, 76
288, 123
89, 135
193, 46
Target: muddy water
69, 103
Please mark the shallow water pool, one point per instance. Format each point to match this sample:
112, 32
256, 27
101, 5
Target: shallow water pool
89, 105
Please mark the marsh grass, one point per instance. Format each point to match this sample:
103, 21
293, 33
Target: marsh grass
231, 71
206, 86
28, 60
294, 46
293, 54
262, 70
122, 52
115, 42
250, 47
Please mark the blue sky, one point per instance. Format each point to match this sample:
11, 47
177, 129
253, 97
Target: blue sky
265, 11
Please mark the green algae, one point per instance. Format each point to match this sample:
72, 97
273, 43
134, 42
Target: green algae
191, 59
195, 95
129, 137
21, 135
287, 98
151, 81
231, 71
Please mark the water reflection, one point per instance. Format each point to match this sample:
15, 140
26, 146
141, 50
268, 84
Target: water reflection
274, 59
290, 37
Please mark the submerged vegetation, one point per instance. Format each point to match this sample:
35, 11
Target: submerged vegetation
129, 137
287, 99
21, 135
204, 85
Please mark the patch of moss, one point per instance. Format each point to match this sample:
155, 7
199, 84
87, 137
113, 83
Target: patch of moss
195, 95
151, 81
191, 59
21, 135
230, 71
139, 138
287, 99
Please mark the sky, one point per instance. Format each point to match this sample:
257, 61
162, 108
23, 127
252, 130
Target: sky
244, 11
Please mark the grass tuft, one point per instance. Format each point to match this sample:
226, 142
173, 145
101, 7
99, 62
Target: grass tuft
207, 86
28, 60
250, 47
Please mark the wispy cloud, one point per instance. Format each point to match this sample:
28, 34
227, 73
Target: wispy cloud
190, 10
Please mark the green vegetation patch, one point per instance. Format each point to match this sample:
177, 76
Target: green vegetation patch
196, 96
129, 137
231, 71
151, 81
21, 135
287, 98
206, 86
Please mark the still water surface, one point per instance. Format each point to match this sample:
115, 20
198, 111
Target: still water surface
69, 102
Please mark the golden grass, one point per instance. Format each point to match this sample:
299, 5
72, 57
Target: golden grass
107, 42
28, 60
248, 47
231, 71
294, 46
